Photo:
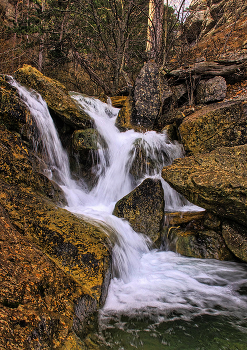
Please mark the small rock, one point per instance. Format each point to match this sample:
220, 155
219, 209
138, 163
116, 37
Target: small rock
211, 90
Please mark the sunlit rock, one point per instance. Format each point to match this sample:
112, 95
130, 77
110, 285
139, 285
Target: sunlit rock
55, 95
216, 125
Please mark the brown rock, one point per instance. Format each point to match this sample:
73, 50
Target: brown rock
178, 218
118, 101
37, 298
68, 250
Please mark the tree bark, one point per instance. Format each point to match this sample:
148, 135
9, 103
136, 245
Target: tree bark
154, 30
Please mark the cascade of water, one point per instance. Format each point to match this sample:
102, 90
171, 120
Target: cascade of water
145, 280
149, 152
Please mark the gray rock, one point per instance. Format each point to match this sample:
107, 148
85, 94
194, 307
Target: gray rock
211, 90
147, 96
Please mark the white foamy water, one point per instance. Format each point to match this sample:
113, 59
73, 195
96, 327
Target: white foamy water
149, 282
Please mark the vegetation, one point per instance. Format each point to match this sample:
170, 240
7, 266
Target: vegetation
109, 39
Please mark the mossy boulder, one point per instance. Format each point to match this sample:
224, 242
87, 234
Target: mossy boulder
144, 208
75, 251
221, 124
55, 95
37, 298
215, 181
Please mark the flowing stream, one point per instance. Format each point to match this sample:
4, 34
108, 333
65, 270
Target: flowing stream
157, 299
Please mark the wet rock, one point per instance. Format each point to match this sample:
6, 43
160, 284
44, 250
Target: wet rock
144, 208
142, 159
13, 112
178, 218
235, 236
55, 95
206, 244
172, 131
196, 234
215, 181
211, 90
221, 124
85, 142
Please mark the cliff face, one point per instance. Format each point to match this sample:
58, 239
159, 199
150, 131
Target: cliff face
217, 27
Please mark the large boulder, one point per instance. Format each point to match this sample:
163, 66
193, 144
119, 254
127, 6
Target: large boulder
37, 298
215, 181
211, 90
58, 249
221, 124
143, 108
147, 95
55, 95
144, 208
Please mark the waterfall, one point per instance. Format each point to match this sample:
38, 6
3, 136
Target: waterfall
146, 282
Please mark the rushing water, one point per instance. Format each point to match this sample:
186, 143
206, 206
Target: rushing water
157, 299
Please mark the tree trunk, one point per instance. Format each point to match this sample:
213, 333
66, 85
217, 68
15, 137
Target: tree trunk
154, 31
